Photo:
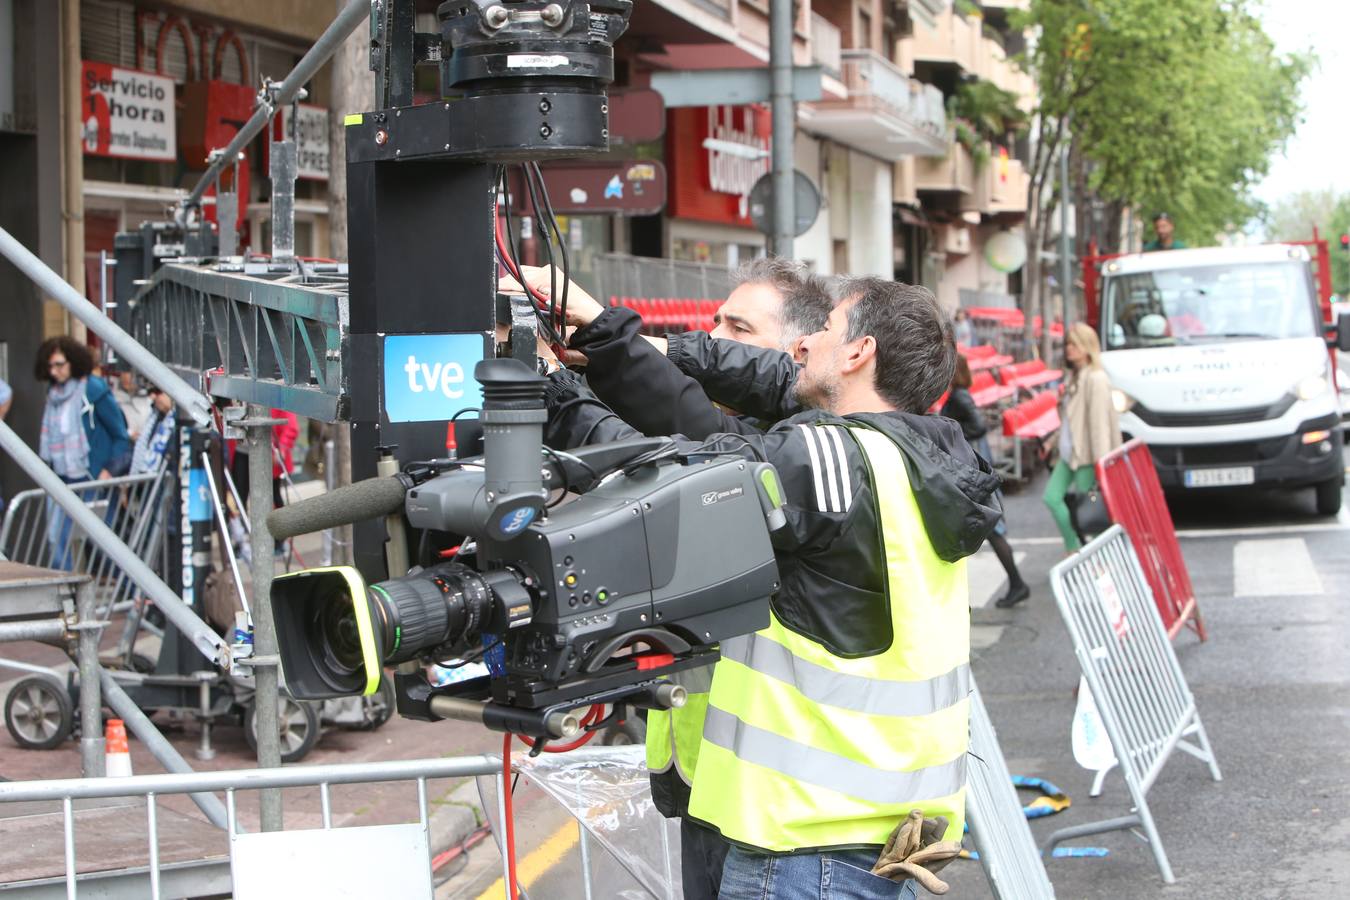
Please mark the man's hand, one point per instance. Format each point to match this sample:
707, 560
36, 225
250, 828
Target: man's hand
582, 308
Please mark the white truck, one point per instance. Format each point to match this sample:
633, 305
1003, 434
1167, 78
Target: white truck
1219, 360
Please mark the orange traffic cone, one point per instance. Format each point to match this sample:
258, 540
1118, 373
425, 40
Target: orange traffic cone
117, 757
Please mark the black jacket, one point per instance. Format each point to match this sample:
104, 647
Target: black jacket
668, 402
830, 555
961, 409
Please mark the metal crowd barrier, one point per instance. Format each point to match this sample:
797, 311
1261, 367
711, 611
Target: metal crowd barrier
37, 532
371, 860
998, 826
1132, 670
621, 275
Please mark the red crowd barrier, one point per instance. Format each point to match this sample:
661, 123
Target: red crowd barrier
1133, 496
662, 314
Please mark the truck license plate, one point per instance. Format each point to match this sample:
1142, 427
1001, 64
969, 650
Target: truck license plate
1220, 477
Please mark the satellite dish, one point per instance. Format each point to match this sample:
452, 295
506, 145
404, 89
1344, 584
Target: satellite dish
805, 203
1006, 252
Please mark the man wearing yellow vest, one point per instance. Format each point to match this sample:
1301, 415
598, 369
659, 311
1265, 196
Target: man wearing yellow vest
774, 305
827, 728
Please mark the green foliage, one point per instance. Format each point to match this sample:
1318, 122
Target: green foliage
1294, 217
1340, 259
1174, 104
967, 8
991, 111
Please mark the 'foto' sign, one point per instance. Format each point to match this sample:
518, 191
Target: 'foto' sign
128, 114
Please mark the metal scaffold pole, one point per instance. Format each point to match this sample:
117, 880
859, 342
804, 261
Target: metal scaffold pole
258, 431
784, 126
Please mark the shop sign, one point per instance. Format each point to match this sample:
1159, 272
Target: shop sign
716, 154
624, 187
311, 139
127, 114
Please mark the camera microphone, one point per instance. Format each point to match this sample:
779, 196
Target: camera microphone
348, 505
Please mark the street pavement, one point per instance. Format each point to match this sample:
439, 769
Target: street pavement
1270, 684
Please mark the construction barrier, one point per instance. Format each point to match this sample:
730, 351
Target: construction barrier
1132, 671
1133, 496
998, 826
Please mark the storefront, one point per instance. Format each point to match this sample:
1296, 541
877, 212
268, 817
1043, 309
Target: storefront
160, 90
714, 156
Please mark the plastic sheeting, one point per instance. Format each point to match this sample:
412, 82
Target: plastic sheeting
628, 850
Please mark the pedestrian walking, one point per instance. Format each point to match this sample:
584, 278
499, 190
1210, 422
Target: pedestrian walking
1089, 428
1163, 229
84, 434
963, 328
961, 408
133, 400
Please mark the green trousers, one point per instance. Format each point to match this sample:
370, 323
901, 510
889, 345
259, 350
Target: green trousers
1081, 480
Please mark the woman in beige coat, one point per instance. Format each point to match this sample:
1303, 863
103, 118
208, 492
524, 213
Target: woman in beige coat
1089, 427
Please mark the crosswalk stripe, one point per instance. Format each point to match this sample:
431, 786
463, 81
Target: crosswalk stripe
1279, 567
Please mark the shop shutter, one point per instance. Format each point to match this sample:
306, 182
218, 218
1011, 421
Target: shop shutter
108, 33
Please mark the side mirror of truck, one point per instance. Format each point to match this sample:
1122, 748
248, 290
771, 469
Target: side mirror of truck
1343, 332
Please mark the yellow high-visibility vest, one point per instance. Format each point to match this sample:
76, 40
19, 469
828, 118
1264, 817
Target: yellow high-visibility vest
673, 735
806, 750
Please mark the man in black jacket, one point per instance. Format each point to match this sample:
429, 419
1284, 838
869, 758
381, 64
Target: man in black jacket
884, 356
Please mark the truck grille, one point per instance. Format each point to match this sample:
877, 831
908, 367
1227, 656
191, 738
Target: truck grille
1227, 417
1236, 453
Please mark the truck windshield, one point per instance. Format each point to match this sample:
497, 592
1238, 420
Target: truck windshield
1208, 304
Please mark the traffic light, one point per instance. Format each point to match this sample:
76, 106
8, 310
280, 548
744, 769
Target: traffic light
1345, 242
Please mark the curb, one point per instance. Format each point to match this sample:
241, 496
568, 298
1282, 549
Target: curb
454, 816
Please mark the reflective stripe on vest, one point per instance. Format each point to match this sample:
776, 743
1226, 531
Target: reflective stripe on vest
806, 750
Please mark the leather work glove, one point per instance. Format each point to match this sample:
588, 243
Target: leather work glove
916, 850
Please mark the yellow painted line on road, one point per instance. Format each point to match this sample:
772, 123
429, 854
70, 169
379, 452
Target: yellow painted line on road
539, 860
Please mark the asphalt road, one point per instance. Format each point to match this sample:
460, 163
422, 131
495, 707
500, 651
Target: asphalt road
1273, 585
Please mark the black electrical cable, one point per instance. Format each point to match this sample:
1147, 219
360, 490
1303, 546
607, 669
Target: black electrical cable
542, 223
503, 190
562, 244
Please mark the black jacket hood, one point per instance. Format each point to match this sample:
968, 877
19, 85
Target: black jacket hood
956, 490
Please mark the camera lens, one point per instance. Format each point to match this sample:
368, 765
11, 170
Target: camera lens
340, 635
446, 604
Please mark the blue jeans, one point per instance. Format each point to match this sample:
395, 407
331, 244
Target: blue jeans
838, 875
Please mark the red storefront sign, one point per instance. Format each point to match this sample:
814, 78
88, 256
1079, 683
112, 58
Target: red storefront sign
715, 154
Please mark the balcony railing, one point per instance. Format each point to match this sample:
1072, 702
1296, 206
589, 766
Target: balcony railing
826, 45
875, 81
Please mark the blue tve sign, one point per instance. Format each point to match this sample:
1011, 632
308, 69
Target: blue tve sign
429, 377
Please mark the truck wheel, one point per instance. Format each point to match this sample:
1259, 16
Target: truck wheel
38, 713
1329, 497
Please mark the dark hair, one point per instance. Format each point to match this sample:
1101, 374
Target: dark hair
805, 309
962, 378
916, 349
81, 360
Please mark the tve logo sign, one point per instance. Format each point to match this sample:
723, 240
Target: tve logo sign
429, 377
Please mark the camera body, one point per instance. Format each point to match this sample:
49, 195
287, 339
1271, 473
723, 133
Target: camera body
660, 555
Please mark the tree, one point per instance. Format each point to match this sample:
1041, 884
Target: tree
1294, 217
1171, 104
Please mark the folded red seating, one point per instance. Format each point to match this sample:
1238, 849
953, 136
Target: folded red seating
985, 391
983, 363
979, 351
1034, 418
1030, 374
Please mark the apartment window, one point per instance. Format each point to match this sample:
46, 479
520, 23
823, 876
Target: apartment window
863, 39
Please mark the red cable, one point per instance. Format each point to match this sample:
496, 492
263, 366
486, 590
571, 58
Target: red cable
509, 814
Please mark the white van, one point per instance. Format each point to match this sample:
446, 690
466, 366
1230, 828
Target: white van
1219, 362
